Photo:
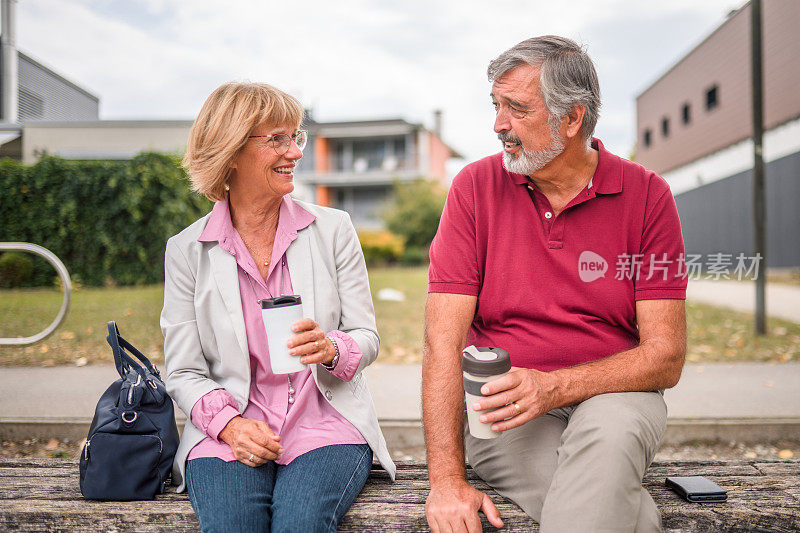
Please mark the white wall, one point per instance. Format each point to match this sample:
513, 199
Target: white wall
103, 139
778, 142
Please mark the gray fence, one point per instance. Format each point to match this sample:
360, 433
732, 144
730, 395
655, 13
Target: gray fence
718, 217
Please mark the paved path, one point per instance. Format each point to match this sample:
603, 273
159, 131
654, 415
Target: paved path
717, 390
706, 391
783, 301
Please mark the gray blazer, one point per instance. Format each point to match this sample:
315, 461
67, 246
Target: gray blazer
205, 346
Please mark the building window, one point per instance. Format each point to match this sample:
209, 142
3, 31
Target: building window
341, 198
665, 127
647, 137
712, 97
686, 113
340, 159
364, 155
368, 154
400, 146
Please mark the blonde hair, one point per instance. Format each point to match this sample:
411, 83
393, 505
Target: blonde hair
221, 129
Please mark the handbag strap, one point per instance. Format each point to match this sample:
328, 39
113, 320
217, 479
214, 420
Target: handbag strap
122, 360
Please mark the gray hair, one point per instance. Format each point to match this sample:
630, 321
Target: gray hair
567, 78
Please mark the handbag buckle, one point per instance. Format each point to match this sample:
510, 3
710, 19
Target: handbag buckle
130, 390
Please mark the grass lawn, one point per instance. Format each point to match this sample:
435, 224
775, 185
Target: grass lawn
714, 334
83, 332
787, 277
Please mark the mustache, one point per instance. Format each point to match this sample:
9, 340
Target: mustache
508, 137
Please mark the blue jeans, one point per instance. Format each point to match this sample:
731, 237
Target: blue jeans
312, 493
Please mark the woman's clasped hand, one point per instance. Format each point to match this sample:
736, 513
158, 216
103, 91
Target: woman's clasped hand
252, 441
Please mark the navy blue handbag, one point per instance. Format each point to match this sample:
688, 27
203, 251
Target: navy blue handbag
133, 437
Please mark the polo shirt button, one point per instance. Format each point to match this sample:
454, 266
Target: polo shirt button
328, 395
548, 215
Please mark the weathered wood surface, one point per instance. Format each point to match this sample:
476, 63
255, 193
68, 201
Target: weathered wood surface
43, 495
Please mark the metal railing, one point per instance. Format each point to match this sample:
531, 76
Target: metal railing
62, 272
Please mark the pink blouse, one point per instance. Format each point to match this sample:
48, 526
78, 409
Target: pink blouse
291, 404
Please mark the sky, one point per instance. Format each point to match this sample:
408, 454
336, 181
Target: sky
356, 59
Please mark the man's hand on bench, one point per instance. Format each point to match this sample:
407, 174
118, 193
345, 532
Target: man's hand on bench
454, 505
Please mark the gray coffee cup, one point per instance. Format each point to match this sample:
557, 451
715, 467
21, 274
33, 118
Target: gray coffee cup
479, 366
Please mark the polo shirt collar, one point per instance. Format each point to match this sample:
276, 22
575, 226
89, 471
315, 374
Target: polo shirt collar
519, 179
607, 177
219, 228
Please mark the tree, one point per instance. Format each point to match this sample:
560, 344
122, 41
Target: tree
414, 211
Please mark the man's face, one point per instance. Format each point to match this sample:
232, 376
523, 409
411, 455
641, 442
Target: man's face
529, 140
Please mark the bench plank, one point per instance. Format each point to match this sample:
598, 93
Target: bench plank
43, 495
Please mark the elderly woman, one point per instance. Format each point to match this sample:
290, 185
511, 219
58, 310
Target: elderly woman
264, 451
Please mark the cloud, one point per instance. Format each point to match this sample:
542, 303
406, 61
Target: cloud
352, 59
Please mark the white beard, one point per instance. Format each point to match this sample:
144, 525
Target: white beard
530, 161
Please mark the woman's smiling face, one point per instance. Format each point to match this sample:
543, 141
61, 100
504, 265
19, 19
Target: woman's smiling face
260, 169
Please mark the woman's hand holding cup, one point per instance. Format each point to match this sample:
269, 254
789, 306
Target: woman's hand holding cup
252, 441
310, 343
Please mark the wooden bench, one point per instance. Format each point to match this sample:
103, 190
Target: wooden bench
43, 495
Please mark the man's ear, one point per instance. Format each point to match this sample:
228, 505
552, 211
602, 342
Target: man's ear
575, 121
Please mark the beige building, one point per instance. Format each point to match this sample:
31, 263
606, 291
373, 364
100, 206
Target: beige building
694, 127
703, 103
353, 165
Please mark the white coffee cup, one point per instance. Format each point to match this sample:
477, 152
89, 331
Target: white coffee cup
479, 366
278, 315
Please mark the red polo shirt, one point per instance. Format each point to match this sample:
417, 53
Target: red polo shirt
556, 291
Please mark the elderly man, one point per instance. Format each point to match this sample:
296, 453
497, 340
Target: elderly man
571, 259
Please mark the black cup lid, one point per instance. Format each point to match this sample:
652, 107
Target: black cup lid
280, 301
485, 361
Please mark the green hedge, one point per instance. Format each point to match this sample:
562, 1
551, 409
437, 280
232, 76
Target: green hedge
16, 269
380, 247
108, 221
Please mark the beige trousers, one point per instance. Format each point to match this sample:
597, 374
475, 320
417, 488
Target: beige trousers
579, 468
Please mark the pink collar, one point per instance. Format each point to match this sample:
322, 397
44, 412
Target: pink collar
292, 218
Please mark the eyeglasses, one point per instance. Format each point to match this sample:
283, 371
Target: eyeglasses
280, 142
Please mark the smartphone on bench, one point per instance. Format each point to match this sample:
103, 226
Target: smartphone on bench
697, 489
